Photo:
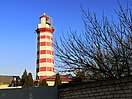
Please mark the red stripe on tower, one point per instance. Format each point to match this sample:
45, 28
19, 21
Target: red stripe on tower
50, 30
45, 37
45, 52
46, 44
44, 48
41, 69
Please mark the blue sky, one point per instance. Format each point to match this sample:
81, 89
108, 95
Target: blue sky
19, 19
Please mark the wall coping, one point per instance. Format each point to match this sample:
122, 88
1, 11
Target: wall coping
97, 83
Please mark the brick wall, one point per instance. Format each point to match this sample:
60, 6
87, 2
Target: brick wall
111, 89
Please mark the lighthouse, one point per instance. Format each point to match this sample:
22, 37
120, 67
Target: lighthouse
45, 50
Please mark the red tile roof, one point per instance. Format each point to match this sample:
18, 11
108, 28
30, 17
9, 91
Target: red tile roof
64, 78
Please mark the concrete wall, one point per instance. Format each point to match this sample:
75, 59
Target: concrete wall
30, 93
111, 89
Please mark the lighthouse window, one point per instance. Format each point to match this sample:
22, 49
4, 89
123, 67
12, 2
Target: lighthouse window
48, 20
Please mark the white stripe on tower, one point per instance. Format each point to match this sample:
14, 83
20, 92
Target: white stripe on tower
45, 52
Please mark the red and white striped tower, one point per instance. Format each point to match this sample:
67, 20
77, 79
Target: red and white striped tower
45, 52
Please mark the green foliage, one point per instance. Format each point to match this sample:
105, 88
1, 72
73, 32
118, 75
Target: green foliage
43, 83
57, 80
24, 76
81, 75
28, 81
